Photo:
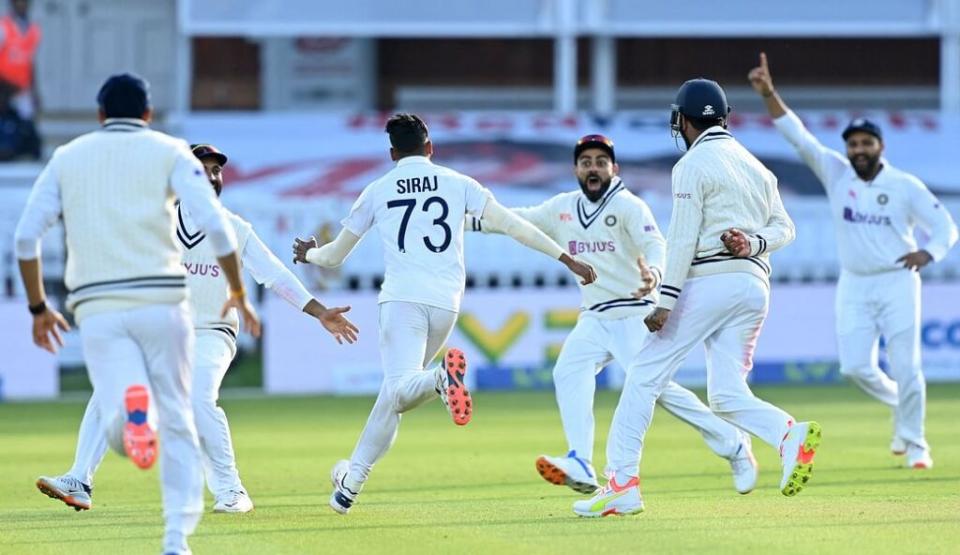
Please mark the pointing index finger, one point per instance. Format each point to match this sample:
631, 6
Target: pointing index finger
763, 60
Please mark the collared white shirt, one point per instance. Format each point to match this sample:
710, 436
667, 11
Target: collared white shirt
418, 208
718, 185
874, 220
609, 235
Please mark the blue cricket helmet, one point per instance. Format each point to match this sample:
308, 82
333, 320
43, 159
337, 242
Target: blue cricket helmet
699, 99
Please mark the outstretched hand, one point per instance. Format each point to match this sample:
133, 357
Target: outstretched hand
334, 321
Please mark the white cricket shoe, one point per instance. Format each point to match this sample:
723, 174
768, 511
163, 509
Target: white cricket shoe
233, 502
744, 467
68, 489
343, 496
612, 499
571, 471
797, 450
898, 446
919, 458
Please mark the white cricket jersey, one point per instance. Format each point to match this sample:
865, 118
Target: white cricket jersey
418, 208
719, 185
874, 220
609, 235
208, 287
115, 189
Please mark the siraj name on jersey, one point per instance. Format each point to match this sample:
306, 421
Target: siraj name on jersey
417, 184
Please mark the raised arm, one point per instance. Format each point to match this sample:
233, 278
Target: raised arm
330, 255
271, 273
525, 233
355, 225
536, 215
826, 163
762, 82
268, 271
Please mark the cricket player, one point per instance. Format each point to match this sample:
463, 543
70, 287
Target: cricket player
214, 349
614, 231
418, 208
115, 190
875, 207
727, 218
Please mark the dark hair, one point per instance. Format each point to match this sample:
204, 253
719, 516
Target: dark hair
702, 124
408, 133
124, 96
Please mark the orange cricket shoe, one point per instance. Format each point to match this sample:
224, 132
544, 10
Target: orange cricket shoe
139, 439
453, 392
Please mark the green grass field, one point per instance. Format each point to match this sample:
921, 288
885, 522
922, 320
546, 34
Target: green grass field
474, 490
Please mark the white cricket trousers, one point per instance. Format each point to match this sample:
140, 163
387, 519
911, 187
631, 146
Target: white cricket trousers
212, 356
152, 345
411, 334
591, 345
886, 304
213, 352
725, 312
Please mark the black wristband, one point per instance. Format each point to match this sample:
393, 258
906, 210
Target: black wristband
38, 308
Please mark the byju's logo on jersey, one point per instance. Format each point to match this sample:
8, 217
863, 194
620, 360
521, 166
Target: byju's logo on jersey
580, 247
197, 269
856, 217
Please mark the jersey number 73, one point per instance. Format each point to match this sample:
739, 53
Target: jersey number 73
440, 221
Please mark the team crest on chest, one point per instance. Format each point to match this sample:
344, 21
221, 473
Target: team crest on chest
883, 199
590, 214
610, 220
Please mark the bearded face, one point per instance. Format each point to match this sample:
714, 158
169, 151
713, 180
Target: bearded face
595, 171
214, 173
864, 151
